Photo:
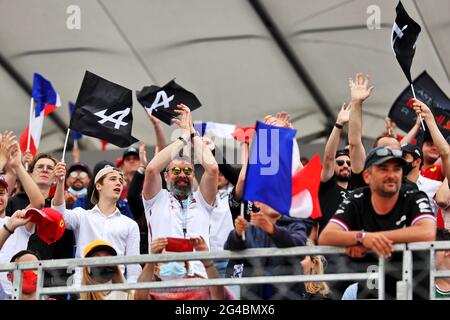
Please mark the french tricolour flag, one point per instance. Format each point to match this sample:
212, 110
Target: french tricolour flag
47, 100
225, 131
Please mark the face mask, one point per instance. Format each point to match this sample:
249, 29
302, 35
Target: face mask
78, 193
29, 282
172, 271
103, 274
407, 169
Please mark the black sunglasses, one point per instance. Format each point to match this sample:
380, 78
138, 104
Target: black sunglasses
340, 163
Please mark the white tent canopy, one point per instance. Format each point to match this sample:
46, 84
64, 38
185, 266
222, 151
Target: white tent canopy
243, 58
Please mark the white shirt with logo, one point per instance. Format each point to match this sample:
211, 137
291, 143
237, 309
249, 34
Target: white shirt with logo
166, 218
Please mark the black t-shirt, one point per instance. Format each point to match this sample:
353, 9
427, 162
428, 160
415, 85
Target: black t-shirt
330, 196
357, 213
235, 206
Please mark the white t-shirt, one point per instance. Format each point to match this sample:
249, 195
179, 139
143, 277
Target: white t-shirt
430, 187
16, 242
89, 225
166, 218
221, 221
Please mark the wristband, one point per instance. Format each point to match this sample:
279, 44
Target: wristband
6, 228
339, 126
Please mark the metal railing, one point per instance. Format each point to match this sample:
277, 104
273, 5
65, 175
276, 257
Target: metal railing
404, 287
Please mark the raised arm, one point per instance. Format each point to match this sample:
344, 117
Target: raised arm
161, 142
6, 143
17, 219
438, 139
333, 143
360, 91
411, 135
37, 200
239, 191
152, 181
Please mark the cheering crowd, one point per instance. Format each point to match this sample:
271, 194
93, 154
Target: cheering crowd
188, 198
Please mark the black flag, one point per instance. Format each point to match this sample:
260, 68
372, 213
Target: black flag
404, 36
429, 92
162, 101
103, 110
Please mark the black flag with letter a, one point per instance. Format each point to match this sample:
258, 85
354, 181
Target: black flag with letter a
404, 36
162, 101
103, 110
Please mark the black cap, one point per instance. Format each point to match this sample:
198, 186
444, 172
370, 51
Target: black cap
413, 149
79, 166
100, 165
380, 155
130, 150
343, 152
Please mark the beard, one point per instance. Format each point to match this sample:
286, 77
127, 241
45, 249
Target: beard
181, 191
343, 177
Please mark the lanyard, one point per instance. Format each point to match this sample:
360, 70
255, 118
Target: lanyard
184, 211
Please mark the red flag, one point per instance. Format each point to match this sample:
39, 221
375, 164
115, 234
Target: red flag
305, 190
23, 141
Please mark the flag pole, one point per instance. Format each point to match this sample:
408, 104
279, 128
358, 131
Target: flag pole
242, 215
65, 145
29, 124
420, 115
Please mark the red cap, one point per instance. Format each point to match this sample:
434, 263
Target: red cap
50, 224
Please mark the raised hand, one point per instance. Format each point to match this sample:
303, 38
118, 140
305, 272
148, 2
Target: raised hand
18, 219
344, 114
143, 155
7, 140
186, 118
359, 88
16, 159
60, 171
261, 221
422, 109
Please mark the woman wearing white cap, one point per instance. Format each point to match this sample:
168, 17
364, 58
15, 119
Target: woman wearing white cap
104, 221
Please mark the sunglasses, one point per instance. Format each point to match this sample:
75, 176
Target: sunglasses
340, 163
383, 152
177, 170
80, 174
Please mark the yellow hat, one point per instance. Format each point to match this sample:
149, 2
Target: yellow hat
98, 245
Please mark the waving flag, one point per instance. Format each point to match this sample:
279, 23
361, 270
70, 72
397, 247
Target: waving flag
305, 191
47, 100
225, 131
403, 40
103, 110
269, 171
162, 101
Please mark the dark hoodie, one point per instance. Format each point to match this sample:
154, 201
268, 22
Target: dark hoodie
289, 232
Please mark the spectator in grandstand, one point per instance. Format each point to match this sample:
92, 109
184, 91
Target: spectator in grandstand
336, 168
130, 164
442, 199
442, 285
40, 181
433, 148
267, 228
413, 158
178, 211
85, 201
376, 217
179, 270
78, 178
102, 274
104, 221
311, 265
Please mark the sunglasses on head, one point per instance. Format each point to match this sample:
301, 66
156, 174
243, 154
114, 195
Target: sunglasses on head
177, 170
383, 152
81, 174
340, 163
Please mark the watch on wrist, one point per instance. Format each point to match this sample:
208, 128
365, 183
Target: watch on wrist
360, 237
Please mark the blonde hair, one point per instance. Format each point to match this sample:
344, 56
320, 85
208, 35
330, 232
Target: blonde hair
88, 280
320, 287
